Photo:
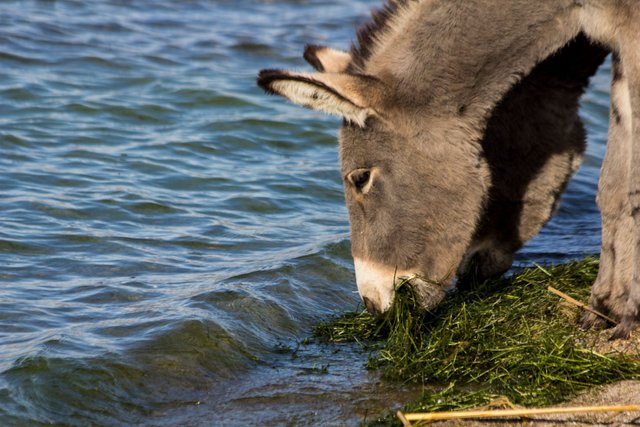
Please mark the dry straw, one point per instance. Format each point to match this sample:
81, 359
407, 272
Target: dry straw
406, 418
579, 304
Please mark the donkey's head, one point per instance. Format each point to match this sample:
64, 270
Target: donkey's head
415, 182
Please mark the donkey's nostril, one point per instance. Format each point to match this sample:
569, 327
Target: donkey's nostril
371, 307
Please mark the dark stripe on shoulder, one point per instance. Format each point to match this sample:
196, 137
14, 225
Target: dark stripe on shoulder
615, 113
616, 67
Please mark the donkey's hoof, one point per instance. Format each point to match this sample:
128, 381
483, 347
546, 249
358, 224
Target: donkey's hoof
620, 332
591, 321
624, 329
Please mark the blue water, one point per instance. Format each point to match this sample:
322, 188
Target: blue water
169, 235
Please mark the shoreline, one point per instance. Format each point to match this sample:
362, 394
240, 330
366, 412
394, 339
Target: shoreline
506, 338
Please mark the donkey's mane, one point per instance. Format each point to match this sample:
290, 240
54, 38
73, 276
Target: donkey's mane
370, 31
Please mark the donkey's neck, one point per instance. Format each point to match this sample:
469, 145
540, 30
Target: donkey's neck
461, 56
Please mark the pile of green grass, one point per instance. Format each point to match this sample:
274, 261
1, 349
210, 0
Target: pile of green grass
507, 337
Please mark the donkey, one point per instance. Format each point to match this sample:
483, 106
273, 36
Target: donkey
460, 131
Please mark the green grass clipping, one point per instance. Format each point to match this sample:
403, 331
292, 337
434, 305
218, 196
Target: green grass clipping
508, 337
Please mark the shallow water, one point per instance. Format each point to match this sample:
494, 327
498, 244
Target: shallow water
169, 235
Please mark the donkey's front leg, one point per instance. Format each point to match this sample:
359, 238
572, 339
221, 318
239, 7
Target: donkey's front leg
616, 23
630, 61
611, 291
617, 289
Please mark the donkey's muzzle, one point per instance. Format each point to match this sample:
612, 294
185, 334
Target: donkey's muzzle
375, 285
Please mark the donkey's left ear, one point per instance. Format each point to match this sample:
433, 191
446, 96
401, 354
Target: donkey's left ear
352, 96
326, 59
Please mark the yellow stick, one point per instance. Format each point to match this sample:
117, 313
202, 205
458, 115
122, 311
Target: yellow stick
514, 412
405, 422
579, 304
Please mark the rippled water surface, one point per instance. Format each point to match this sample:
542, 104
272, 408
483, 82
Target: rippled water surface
169, 234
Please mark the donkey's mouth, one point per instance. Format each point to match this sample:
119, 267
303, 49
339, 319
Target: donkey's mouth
378, 283
428, 293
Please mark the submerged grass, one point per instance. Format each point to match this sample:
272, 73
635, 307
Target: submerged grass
506, 337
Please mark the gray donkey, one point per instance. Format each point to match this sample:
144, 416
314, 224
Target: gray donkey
461, 130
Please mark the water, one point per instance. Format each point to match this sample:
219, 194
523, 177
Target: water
169, 235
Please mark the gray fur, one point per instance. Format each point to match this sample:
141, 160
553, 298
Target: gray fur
469, 129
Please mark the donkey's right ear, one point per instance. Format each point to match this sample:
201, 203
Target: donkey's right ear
326, 59
354, 97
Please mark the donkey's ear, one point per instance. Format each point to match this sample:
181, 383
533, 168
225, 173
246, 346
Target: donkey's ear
351, 96
324, 58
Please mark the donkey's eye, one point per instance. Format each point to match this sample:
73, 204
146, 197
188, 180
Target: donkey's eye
360, 178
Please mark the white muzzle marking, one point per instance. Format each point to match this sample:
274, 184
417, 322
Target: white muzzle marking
376, 284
